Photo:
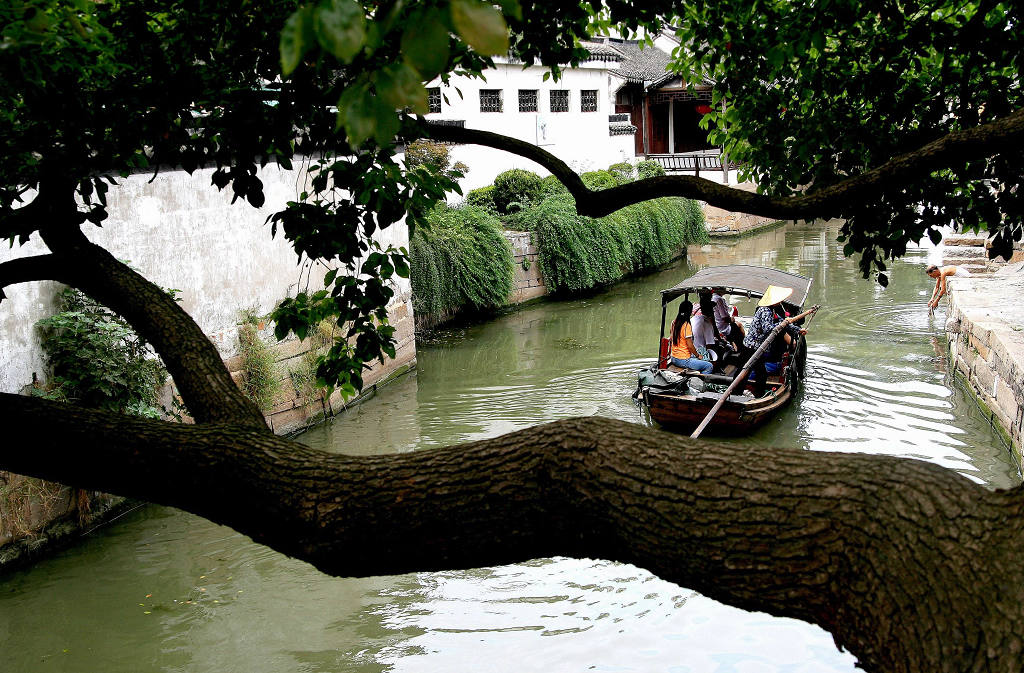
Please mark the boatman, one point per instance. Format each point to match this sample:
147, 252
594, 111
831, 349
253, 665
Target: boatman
769, 313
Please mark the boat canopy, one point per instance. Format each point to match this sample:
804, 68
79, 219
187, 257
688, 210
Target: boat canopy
742, 279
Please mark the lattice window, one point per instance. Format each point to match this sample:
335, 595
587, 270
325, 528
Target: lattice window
559, 100
528, 100
434, 99
588, 100
490, 100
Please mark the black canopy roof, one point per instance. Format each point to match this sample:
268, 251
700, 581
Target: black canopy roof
743, 279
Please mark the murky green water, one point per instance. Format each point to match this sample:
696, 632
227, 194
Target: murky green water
161, 590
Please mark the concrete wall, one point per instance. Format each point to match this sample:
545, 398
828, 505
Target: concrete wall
985, 332
181, 232
578, 138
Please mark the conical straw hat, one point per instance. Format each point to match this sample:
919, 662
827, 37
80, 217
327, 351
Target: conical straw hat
774, 294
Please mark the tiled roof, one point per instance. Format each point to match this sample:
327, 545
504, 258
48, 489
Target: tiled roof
646, 66
603, 52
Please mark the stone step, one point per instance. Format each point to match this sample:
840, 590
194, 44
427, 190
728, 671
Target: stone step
965, 253
974, 269
964, 239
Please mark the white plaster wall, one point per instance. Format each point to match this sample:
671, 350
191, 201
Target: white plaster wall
181, 232
578, 138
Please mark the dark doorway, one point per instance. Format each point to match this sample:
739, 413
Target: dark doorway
688, 135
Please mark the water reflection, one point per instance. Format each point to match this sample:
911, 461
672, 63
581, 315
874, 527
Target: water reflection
166, 591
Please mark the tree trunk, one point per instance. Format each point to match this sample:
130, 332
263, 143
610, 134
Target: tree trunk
910, 566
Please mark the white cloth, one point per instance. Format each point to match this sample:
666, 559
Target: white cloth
703, 332
961, 271
723, 315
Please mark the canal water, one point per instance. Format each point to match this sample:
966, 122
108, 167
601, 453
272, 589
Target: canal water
161, 590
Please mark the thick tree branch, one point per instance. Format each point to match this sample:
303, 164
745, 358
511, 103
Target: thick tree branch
874, 549
1001, 135
27, 269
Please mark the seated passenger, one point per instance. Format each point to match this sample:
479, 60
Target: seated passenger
728, 326
683, 352
709, 343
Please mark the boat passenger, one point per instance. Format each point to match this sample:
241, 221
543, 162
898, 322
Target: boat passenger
711, 345
769, 313
940, 273
725, 318
683, 351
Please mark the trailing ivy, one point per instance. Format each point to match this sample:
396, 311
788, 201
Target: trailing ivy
460, 261
578, 253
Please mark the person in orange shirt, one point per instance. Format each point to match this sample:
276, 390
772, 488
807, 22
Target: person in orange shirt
684, 353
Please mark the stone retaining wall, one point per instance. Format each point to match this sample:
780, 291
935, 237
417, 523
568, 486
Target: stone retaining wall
985, 332
725, 223
528, 283
293, 408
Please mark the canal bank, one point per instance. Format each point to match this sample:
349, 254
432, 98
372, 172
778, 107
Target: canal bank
985, 335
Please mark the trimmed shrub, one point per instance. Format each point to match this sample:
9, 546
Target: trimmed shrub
599, 180
459, 260
649, 169
434, 155
516, 186
481, 198
622, 172
550, 185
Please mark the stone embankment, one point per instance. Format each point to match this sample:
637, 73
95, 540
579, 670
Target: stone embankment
725, 224
970, 251
297, 406
985, 332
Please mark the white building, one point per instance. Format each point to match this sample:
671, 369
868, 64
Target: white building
573, 118
621, 104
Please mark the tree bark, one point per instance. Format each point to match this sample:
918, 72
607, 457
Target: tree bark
996, 137
910, 566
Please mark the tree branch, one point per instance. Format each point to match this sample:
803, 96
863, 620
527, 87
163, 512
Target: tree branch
1001, 135
874, 549
27, 269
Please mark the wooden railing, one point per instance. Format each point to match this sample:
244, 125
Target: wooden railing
691, 162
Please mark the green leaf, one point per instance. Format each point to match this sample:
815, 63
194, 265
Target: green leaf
511, 8
329, 278
356, 114
400, 87
340, 28
425, 44
481, 25
296, 39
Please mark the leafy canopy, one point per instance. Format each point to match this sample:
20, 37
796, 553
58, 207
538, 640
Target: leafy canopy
813, 93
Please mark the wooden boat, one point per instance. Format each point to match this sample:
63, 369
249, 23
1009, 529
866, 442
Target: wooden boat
680, 399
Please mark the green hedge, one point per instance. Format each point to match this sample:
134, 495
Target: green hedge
578, 253
460, 261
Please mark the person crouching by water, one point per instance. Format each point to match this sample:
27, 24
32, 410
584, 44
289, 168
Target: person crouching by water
769, 313
940, 273
683, 353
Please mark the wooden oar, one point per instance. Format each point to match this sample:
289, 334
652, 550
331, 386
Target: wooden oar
742, 376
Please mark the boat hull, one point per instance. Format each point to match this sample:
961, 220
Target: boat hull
685, 412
